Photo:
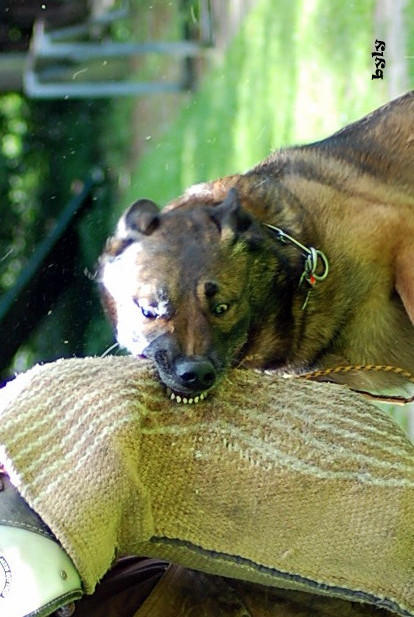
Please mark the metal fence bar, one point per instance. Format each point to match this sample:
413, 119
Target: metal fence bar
44, 248
43, 90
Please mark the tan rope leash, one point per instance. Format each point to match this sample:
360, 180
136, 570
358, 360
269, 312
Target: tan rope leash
396, 400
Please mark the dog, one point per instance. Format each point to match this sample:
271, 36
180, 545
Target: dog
305, 261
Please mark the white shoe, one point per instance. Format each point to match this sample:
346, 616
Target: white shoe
37, 577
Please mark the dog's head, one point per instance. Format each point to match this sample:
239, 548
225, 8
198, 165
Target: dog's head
177, 287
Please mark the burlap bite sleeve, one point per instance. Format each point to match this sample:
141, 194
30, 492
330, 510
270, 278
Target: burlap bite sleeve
283, 482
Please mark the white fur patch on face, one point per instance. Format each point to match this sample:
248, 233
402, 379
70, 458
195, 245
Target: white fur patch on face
130, 338
119, 275
119, 279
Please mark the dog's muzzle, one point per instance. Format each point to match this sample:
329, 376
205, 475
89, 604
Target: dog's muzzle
188, 378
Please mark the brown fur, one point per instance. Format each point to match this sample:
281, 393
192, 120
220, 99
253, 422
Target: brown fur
350, 196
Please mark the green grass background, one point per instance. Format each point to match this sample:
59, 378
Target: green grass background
296, 71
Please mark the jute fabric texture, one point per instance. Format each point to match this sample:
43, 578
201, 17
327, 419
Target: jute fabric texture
282, 482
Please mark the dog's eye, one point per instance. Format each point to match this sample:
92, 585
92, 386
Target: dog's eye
148, 312
221, 308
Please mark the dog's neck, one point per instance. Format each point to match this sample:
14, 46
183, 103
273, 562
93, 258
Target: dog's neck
315, 266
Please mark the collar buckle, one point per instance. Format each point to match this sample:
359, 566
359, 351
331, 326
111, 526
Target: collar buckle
314, 258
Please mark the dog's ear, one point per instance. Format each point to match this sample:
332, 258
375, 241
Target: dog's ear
142, 217
230, 217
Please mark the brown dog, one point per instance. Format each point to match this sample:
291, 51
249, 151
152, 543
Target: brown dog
305, 261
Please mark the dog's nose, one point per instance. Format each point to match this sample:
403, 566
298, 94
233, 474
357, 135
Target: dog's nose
195, 373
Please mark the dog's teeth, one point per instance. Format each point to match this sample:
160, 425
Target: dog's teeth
183, 399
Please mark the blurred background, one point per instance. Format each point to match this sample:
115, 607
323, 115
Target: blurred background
103, 102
